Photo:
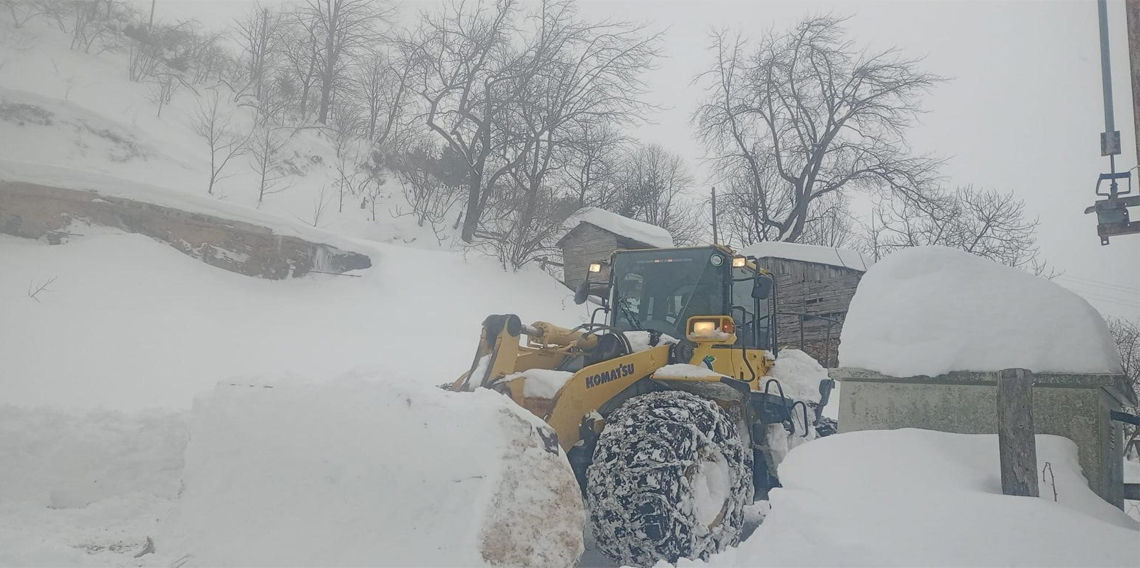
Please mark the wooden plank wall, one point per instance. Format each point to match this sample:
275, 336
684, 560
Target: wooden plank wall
584, 244
815, 289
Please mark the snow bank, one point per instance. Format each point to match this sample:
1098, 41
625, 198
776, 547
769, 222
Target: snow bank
85, 489
799, 374
931, 310
130, 323
361, 471
624, 226
64, 461
923, 498
809, 253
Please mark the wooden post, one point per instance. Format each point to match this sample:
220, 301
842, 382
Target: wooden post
1017, 447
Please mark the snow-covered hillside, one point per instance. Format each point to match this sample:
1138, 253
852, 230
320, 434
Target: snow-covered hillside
65, 108
130, 323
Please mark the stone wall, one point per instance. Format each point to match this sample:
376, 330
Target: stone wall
40, 212
1074, 406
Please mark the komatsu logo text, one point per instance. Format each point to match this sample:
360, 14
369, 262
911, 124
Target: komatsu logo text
611, 375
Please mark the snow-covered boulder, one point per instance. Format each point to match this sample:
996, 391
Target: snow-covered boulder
932, 310
358, 472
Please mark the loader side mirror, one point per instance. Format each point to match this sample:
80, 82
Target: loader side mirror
762, 287
582, 292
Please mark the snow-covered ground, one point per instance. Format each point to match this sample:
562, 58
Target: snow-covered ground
921, 498
130, 323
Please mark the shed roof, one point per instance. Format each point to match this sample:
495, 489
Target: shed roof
645, 233
831, 256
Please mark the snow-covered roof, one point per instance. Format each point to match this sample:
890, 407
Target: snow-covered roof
933, 310
632, 229
810, 253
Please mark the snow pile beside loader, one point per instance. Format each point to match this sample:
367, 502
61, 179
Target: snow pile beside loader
355, 472
932, 310
921, 498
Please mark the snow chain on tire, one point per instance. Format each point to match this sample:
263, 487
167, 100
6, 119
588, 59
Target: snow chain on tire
648, 488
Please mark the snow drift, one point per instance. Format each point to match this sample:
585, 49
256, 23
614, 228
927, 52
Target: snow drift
931, 310
923, 498
362, 472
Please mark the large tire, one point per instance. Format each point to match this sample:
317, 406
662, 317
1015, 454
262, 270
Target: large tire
669, 480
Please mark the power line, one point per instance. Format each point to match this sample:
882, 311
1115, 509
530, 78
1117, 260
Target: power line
1091, 282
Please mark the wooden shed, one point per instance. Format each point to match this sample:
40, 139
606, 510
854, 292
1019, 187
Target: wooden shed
594, 234
814, 287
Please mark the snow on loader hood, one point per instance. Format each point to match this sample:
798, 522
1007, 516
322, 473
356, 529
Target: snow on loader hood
932, 310
364, 472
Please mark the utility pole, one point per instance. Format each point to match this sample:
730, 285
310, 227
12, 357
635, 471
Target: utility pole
150, 26
1132, 9
715, 240
1111, 212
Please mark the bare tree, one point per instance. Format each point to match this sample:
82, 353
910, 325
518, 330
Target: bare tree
590, 71
265, 148
34, 289
468, 75
593, 154
163, 88
215, 125
652, 186
344, 28
506, 96
302, 50
22, 11
381, 83
1126, 335
260, 36
806, 114
983, 222
432, 184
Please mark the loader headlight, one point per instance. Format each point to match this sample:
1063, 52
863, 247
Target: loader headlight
711, 328
703, 327
595, 267
739, 262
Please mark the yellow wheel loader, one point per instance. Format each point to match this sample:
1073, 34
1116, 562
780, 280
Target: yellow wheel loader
664, 410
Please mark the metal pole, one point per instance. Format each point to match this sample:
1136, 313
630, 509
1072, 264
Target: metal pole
150, 26
1106, 84
1105, 66
1132, 9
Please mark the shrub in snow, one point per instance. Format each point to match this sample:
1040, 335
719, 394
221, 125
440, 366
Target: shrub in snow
932, 310
368, 473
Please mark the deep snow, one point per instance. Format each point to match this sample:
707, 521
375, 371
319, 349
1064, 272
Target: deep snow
922, 498
360, 471
130, 323
931, 310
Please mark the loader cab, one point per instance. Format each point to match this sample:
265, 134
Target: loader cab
660, 289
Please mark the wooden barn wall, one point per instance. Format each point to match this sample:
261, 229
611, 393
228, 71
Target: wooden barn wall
585, 244
813, 289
